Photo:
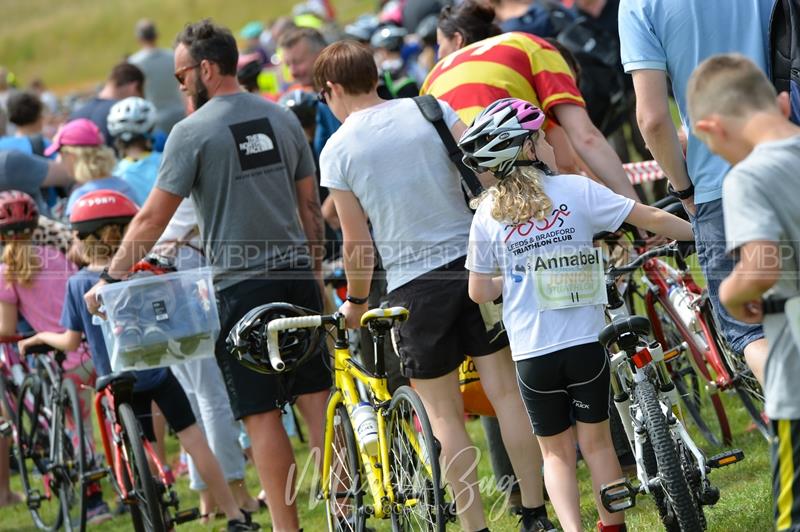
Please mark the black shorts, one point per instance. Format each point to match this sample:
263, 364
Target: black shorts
251, 392
443, 326
571, 384
171, 400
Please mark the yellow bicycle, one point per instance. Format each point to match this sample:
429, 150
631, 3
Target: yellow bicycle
380, 457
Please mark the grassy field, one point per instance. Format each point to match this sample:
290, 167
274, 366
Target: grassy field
73, 45
745, 504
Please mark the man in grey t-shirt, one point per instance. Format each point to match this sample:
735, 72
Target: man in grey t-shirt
734, 111
250, 172
160, 86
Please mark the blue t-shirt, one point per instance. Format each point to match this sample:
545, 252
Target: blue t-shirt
676, 36
75, 317
327, 124
140, 175
536, 21
22, 144
104, 183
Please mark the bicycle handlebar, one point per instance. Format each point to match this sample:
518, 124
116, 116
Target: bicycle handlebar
283, 324
668, 250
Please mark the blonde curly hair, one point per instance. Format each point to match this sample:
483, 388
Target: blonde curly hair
103, 244
22, 260
519, 196
91, 162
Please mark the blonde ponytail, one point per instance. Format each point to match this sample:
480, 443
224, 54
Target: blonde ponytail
518, 197
22, 261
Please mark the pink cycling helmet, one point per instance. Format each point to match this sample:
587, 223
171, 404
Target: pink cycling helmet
495, 139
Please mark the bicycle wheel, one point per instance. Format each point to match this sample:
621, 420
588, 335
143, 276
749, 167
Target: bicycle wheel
8, 401
345, 496
144, 486
659, 497
705, 407
414, 465
71, 446
672, 478
33, 447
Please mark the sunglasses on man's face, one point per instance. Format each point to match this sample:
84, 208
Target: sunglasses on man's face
321, 96
180, 74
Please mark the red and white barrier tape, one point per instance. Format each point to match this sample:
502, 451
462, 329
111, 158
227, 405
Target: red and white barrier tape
643, 172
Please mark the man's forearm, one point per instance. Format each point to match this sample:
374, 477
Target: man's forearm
606, 164
662, 140
138, 241
359, 262
314, 228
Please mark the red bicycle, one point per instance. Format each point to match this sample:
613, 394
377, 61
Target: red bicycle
149, 493
699, 358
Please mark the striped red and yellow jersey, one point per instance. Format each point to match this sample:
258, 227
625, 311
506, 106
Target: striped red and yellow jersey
511, 65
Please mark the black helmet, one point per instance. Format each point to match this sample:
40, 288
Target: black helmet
362, 29
426, 30
303, 103
389, 37
247, 341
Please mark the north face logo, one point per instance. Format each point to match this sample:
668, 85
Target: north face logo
258, 143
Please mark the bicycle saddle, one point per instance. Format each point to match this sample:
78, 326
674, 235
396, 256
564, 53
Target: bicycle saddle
384, 316
113, 379
630, 325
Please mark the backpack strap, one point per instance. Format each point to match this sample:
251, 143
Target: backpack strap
432, 112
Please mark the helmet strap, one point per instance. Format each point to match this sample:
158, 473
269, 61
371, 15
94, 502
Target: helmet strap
536, 163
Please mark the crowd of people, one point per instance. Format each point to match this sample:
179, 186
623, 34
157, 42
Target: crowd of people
301, 145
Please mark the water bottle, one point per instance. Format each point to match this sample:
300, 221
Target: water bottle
681, 301
366, 425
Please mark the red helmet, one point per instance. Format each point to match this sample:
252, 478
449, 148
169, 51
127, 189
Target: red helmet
101, 207
18, 212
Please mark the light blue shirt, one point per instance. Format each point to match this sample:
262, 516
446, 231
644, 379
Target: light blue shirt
676, 36
140, 175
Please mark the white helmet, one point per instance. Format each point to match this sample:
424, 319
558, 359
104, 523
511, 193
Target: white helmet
131, 117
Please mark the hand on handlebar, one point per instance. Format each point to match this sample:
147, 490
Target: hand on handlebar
23, 345
353, 313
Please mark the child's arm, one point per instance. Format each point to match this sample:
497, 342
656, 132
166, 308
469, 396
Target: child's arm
660, 222
756, 272
8, 319
484, 287
65, 342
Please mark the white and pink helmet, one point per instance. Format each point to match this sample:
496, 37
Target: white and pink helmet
495, 139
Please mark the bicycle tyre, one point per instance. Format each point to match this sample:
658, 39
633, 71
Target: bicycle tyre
673, 479
406, 417
659, 498
9, 400
72, 451
345, 462
690, 380
144, 485
33, 447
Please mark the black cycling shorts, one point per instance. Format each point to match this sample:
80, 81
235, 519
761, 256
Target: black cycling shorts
171, 400
443, 325
570, 384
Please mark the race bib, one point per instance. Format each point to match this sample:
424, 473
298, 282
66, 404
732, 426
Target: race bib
568, 279
792, 311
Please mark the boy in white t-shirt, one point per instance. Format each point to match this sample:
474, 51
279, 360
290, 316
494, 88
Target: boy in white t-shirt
535, 228
736, 112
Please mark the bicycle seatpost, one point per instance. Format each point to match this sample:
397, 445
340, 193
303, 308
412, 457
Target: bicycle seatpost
378, 331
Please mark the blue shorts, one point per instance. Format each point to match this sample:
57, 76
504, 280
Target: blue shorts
709, 234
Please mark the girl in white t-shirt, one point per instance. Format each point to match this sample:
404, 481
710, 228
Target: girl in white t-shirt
535, 229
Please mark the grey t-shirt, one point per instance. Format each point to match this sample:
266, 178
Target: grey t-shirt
760, 202
160, 86
239, 157
26, 173
394, 162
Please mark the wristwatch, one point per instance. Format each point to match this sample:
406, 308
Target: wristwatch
104, 275
357, 300
681, 194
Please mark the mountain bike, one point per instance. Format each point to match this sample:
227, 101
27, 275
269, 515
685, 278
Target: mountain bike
380, 457
670, 466
151, 498
51, 443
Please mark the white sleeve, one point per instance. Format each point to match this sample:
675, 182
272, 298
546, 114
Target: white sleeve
608, 208
481, 255
450, 116
330, 169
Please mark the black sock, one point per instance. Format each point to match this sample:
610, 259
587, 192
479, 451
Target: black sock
539, 511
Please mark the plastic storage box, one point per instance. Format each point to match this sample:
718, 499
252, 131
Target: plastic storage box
160, 320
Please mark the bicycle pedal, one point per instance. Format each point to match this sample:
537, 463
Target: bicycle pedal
725, 459
618, 495
95, 475
709, 495
184, 516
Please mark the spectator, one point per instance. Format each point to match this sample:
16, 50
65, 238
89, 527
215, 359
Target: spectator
734, 110
669, 39
49, 100
6, 90
470, 81
25, 112
251, 33
157, 65
393, 78
125, 80
29, 173
421, 230
131, 122
300, 48
80, 146
250, 187
528, 16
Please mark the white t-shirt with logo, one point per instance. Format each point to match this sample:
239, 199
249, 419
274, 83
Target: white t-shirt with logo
552, 276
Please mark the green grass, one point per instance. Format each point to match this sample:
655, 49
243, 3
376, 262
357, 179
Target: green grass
745, 504
74, 44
